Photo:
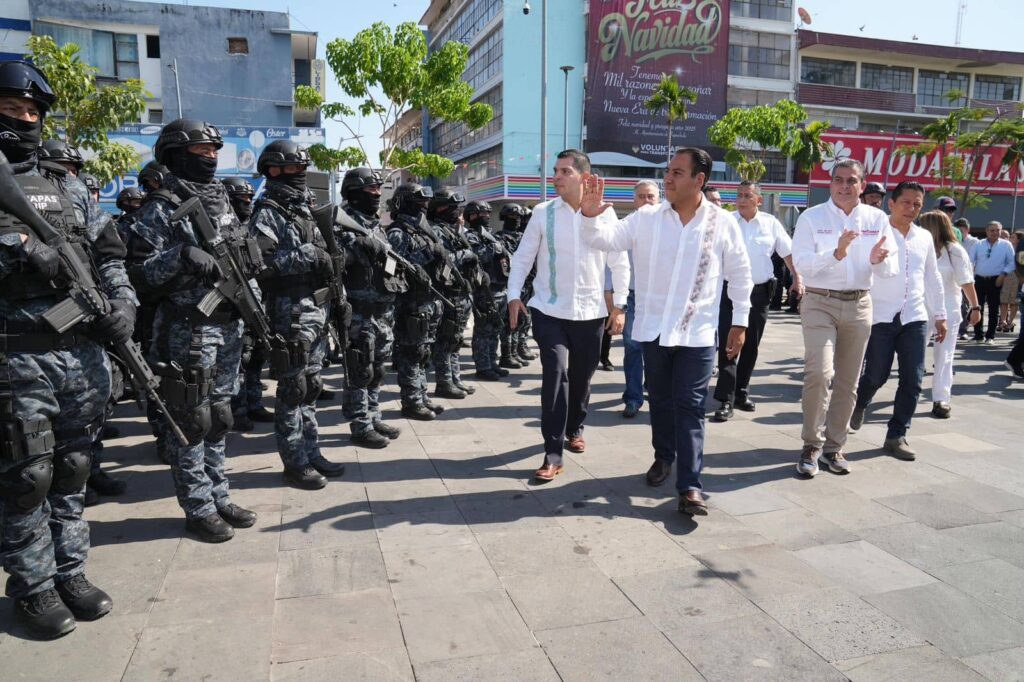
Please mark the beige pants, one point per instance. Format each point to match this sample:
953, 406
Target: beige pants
835, 337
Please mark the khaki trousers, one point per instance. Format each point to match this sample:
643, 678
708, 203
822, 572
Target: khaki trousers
836, 335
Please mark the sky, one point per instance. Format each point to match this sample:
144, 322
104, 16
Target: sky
988, 24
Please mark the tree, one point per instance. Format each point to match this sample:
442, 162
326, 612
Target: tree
961, 152
392, 72
670, 98
749, 135
84, 112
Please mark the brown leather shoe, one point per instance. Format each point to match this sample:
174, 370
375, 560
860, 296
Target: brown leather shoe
693, 503
658, 473
548, 472
577, 444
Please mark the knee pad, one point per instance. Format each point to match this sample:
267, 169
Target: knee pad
70, 471
314, 384
27, 486
291, 391
221, 421
194, 422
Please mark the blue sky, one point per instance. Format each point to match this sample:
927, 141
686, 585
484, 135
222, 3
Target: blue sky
989, 24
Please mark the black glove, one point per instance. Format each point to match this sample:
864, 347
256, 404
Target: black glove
45, 260
200, 263
117, 325
419, 276
324, 263
438, 250
374, 248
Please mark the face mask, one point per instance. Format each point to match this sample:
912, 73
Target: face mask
192, 167
366, 203
242, 210
19, 139
293, 180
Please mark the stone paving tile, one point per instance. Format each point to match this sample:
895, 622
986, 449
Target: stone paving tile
956, 623
921, 546
1002, 540
329, 570
917, 664
365, 666
626, 545
796, 528
575, 597
847, 510
339, 526
199, 595
630, 649
1006, 665
522, 666
936, 510
983, 497
863, 568
751, 647
429, 529
428, 571
993, 582
765, 571
533, 551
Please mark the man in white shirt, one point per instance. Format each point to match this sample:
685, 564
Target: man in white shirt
682, 249
838, 247
763, 235
901, 307
568, 308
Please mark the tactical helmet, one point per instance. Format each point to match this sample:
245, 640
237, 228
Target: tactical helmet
411, 198
129, 194
358, 178
873, 188
511, 212
182, 133
238, 187
20, 79
60, 151
281, 153
90, 182
153, 172
476, 207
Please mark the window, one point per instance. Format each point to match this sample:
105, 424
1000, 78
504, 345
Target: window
474, 15
238, 46
780, 10
484, 61
888, 78
932, 87
153, 47
487, 164
828, 72
303, 72
156, 115
997, 87
760, 55
115, 55
743, 98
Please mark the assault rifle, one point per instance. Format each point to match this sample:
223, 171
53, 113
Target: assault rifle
341, 310
85, 301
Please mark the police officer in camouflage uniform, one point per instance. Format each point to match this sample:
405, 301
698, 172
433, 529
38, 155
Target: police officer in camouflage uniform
129, 200
247, 404
514, 219
53, 387
91, 184
417, 311
298, 267
443, 215
197, 356
373, 285
491, 300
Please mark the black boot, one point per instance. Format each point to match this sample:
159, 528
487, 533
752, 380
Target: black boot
162, 453
524, 350
85, 600
370, 439
237, 516
306, 478
110, 432
326, 467
105, 484
392, 432
465, 388
44, 615
92, 498
210, 528
488, 375
419, 413
500, 371
509, 362
262, 415
242, 423
449, 391
433, 407
326, 395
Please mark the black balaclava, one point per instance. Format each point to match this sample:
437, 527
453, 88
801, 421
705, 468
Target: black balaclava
243, 209
192, 167
19, 139
296, 181
364, 202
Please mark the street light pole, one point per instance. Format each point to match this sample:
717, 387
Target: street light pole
565, 107
177, 84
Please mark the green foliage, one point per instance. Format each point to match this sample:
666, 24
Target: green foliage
84, 112
748, 135
393, 72
670, 98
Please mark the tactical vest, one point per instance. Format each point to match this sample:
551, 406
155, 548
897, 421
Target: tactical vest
498, 265
294, 286
365, 275
25, 282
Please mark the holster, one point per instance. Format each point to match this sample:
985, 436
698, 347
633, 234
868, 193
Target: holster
288, 355
183, 388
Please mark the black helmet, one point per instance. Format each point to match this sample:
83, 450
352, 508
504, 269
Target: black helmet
445, 202
153, 172
511, 212
90, 182
477, 208
281, 153
129, 194
238, 187
183, 133
20, 79
61, 151
358, 178
411, 198
873, 188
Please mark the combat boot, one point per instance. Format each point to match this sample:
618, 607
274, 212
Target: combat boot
509, 362
523, 350
326, 395
210, 528
242, 423
105, 484
44, 615
501, 372
465, 388
306, 478
237, 516
488, 375
419, 413
326, 467
85, 600
370, 439
451, 391
383, 429
433, 407
262, 415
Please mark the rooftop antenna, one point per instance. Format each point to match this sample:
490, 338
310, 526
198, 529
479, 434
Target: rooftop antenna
961, 12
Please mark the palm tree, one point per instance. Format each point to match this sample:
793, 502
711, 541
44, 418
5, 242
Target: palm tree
671, 98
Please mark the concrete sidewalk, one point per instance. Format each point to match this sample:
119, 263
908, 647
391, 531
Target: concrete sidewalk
436, 559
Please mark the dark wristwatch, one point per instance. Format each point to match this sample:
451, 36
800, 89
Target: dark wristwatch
973, 308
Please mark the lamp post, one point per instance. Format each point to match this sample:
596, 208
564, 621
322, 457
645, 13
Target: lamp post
565, 107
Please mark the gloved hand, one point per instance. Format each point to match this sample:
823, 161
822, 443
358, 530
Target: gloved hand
324, 264
437, 250
200, 263
44, 259
419, 276
372, 247
117, 325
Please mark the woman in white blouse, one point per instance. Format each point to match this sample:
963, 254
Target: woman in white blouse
956, 272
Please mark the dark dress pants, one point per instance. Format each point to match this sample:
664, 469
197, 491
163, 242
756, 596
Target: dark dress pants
734, 375
569, 350
677, 385
988, 298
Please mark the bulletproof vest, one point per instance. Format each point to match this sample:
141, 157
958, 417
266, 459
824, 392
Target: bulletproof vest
305, 284
497, 266
24, 282
365, 274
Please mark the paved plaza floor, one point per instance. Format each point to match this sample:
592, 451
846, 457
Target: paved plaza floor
437, 559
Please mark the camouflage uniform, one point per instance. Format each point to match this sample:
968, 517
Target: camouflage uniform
516, 340
59, 395
294, 251
488, 324
453, 320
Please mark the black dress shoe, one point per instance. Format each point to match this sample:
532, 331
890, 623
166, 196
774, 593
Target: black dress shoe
262, 415
85, 600
465, 388
745, 404
211, 528
237, 516
631, 411
44, 615
450, 391
433, 407
327, 468
105, 484
392, 432
658, 473
370, 439
723, 413
419, 413
607, 365
488, 375
306, 478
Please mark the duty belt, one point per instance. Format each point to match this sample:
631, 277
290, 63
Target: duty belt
847, 295
370, 307
41, 342
224, 314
